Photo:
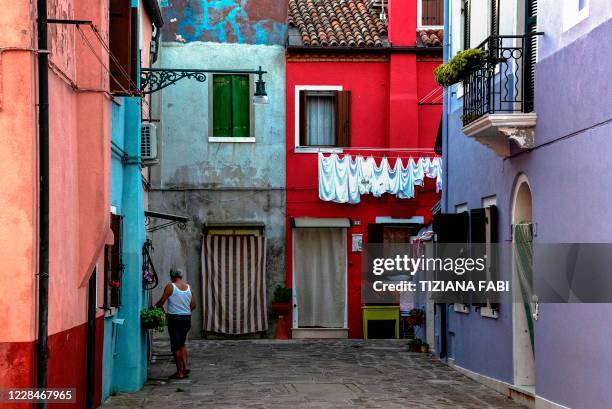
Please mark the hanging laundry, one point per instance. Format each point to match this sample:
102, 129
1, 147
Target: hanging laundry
394, 177
406, 188
380, 181
365, 168
353, 180
344, 180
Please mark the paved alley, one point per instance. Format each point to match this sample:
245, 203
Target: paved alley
307, 374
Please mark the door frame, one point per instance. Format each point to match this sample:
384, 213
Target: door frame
295, 322
523, 364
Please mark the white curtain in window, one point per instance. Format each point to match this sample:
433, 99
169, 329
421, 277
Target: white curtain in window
321, 121
319, 259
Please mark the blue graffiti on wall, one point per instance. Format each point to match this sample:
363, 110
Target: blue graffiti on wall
226, 21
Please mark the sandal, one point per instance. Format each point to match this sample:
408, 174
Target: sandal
176, 376
187, 371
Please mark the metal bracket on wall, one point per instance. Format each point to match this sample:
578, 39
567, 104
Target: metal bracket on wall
155, 79
172, 220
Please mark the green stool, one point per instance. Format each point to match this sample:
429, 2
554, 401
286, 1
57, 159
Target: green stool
380, 313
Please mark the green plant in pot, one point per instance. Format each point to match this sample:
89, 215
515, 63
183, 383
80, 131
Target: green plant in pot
153, 318
457, 68
281, 299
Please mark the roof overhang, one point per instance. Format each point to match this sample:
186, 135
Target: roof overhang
306, 49
313, 222
154, 12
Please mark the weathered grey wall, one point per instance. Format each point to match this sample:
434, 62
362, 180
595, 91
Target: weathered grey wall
218, 182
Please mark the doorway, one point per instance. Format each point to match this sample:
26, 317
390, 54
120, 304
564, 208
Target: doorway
522, 278
320, 282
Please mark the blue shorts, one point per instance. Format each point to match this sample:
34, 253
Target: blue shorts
178, 327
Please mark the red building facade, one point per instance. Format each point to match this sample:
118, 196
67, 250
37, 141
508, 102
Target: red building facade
359, 81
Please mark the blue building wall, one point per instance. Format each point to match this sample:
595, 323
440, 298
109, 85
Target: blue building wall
125, 353
125, 343
568, 174
225, 21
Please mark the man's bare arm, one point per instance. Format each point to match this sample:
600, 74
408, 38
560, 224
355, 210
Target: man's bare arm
167, 293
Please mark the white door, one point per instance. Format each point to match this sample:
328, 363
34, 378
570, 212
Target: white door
319, 277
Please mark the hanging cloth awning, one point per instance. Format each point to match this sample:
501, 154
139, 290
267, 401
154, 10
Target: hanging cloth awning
234, 284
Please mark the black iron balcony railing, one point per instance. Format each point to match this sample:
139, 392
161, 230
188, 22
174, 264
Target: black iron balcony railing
503, 81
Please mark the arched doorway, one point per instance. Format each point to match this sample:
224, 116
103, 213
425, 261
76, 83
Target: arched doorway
522, 280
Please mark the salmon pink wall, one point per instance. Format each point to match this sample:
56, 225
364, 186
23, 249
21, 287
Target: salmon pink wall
79, 186
384, 114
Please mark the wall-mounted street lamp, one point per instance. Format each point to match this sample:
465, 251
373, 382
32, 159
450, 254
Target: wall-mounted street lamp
260, 96
155, 79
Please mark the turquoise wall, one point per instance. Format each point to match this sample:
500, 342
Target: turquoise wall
125, 344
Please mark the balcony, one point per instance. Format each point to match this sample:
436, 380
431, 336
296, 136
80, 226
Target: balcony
498, 94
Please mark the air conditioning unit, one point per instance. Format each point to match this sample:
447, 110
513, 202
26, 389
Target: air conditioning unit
148, 143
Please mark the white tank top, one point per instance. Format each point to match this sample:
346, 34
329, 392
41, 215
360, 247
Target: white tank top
179, 302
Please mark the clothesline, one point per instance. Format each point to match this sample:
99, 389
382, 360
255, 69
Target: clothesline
345, 179
366, 148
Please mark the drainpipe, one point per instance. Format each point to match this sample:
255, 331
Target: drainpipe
43, 200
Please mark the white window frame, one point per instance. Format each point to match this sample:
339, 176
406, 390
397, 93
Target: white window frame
420, 26
461, 207
572, 15
297, 90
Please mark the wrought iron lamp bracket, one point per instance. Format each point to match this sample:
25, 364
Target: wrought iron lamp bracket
155, 79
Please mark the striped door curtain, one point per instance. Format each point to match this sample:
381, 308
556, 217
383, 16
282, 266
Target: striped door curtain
234, 284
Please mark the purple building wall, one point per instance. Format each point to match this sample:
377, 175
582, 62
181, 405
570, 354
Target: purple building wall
570, 174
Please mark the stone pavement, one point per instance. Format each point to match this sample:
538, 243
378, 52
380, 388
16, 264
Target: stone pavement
307, 374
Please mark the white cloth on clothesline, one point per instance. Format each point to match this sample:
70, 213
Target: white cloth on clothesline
345, 179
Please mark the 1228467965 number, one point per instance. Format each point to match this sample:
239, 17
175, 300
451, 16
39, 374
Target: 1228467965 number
35, 395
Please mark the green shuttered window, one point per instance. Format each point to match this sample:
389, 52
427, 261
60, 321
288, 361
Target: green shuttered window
231, 106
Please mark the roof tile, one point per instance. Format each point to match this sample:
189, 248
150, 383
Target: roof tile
337, 23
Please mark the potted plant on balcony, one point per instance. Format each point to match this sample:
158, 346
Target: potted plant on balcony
457, 68
153, 318
281, 305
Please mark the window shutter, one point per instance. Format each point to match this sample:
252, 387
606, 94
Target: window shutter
241, 105
466, 24
531, 52
303, 118
451, 227
222, 105
494, 18
122, 46
343, 118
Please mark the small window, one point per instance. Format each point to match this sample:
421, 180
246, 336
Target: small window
432, 12
324, 118
231, 106
113, 266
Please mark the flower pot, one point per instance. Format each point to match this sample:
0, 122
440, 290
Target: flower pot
283, 323
413, 348
424, 348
